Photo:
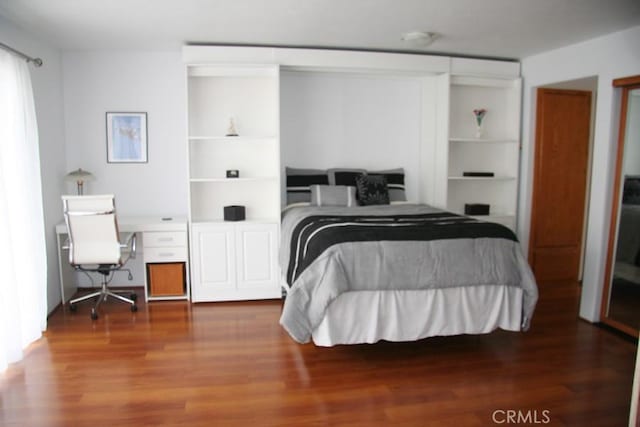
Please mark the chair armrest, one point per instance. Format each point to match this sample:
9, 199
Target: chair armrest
130, 243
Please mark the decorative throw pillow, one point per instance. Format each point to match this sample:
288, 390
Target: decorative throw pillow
333, 195
299, 182
372, 190
395, 182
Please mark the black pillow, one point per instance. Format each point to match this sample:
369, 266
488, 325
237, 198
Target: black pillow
372, 190
299, 182
395, 181
346, 177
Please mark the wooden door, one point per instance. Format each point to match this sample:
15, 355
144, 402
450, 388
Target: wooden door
563, 120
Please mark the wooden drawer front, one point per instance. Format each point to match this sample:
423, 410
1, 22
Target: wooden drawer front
164, 239
165, 254
166, 279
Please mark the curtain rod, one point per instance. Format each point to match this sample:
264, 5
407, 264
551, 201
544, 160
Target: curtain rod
36, 61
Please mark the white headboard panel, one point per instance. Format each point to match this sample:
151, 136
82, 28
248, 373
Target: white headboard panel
351, 120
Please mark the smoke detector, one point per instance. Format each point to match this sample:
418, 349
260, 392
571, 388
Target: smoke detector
419, 38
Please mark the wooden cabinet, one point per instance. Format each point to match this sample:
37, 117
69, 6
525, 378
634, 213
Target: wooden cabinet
496, 150
166, 279
166, 261
234, 261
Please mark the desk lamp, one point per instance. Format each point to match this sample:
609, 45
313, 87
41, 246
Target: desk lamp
79, 176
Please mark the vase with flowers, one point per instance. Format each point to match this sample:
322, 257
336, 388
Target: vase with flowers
479, 114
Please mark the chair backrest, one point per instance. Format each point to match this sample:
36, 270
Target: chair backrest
93, 229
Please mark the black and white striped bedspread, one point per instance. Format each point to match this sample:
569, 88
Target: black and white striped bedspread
314, 234
327, 251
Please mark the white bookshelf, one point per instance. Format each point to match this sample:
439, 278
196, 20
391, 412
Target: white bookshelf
497, 150
225, 253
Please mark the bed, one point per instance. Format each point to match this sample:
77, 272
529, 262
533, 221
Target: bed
399, 272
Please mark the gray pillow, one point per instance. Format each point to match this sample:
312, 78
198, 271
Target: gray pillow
333, 195
299, 181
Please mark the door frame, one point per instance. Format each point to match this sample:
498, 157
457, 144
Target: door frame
624, 85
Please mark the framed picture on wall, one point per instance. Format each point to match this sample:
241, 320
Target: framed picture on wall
126, 137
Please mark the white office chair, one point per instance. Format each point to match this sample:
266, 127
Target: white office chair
94, 245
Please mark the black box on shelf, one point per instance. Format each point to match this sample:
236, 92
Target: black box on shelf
476, 209
234, 213
482, 174
233, 173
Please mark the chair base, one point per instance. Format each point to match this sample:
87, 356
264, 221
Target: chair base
102, 295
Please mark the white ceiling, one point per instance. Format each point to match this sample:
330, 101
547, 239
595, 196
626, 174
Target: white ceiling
481, 28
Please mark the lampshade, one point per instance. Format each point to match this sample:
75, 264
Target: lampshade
79, 176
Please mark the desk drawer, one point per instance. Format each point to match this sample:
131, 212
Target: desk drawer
164, 239
166, 279
165, 254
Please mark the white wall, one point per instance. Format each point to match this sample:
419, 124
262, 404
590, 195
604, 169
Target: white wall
351, 120
144, 81
154, 82
47, 88
609, 57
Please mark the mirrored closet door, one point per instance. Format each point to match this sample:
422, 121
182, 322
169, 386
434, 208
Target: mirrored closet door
621, 298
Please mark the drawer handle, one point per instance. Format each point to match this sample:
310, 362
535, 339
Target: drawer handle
166, 239
166, 254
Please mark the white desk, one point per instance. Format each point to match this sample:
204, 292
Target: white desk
166, 242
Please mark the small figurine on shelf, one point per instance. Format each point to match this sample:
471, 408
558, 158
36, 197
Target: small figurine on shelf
479, 115
231, 130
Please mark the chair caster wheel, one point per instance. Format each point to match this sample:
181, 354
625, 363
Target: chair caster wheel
73, 308
133, 297
94, 314
134, 308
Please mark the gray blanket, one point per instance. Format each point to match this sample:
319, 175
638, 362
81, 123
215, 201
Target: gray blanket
395, 265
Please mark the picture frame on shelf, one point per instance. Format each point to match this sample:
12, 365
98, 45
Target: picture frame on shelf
127, 137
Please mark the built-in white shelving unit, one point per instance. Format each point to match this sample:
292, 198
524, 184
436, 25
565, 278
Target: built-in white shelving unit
497, 150
234, 260
238, 260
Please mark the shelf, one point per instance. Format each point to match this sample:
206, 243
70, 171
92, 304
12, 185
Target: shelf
227, 180
244, 221
492, 216
482, 178
484, 140
232, 139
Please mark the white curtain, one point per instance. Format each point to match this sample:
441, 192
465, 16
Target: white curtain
23, 266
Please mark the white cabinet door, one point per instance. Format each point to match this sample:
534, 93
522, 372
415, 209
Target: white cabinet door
234, 261
256, 249
213, 264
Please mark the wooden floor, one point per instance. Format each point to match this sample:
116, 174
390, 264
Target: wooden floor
222, 364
